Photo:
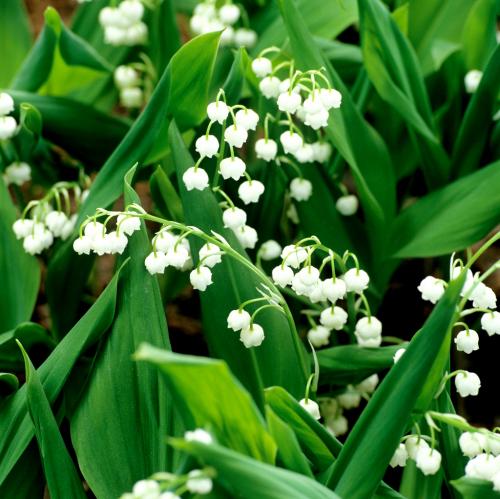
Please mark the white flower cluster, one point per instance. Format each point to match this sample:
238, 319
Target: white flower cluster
128, 82
123, 24
208, 18
308, 282
40, 223
8, 124
415, 447
196, 481
17, 173
332, 409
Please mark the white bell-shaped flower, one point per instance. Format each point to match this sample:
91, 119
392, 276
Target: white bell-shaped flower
247, 119
368, 327
234, 217
356, 280
235, 135
350, 399
250, 191
400, 456
337, 426
109, 16
483, 466
467, 341
210, 254
330, 98
291, 141
55, 222
198, 435
131, 97
218, 111
164, 240
317, 120
126, 77
146, 489
490, 322
128, 224
313, 103
293, 255
428, 461
270, 87
472, 80
156, 262
347, 205
8, 127
304, 154
266, 149
309, 275
132, 10
289, 102
270, 250
113, 35
137, 34
252, 335
198, 483
207, 146
322, 151
117, 242
82, 245
69, 227
329, 407
22, 227
414, 444
472, 444
247, 236
319, 336
285, 87
311, 407
178, 256
244, 37
483, 297
282, 275
334, 289
300, 189
333, 318
262, 66
368, 385
432, 289
373, 342
201, 278
232, 167
17, 173
195, 178
229, 13
399, 353
238, 319
6, 104
467, 383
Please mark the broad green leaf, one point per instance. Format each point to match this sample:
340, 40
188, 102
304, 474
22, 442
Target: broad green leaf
60, 63
15, 38
106, 448
60, 472
435, 29
472, 136
415, 485
280, 360
8, 384
165, 196
208, 396
289, 451
29, 132
350, 364
373, 439
451, 218
473, 488
323, 18
16, 428
244, 477
355, 139
173, 95
393, 68
20, 272
85, 133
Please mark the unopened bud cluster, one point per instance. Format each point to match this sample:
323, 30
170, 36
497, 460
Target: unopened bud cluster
208, 17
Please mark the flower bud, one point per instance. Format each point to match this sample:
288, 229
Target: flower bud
472, 80
311, 407
347, 205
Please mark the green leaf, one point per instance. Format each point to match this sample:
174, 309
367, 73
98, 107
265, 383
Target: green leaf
172, 96
280, 360
393, 68
415, 485
15, 38
30, 129
451, 218
82, 131
323, 18
8, 384
62, 478
16, 428
350, 364
373, 439
165, 196
473, 488
103, 419
207, 395
472, 138
435, 29
244, 477
60, 63
20, 272
355, 139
